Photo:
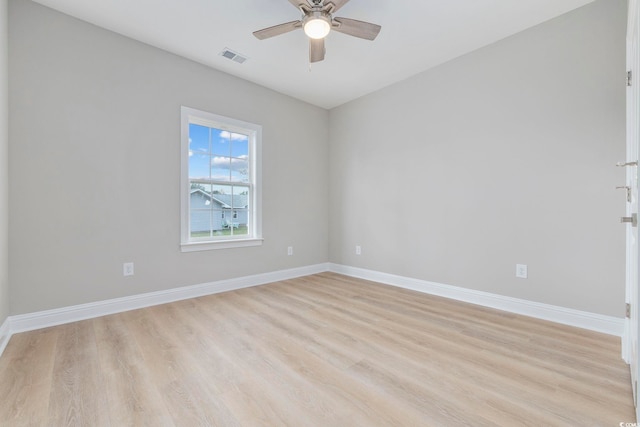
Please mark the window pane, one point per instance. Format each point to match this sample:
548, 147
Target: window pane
227, 222
239, 145
221, 200
239, 169
200, 196
198, 138
217, 221
240, 197
241, 220
221, 168
200, 222
240, 210
220, 142
222, 189
200, 206
199, 166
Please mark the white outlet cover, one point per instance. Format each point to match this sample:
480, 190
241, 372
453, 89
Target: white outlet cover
521, 271
127, 269
290, 250
358, 250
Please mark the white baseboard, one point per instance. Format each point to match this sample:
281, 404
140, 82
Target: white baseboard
44, 319
581, 319
5, 334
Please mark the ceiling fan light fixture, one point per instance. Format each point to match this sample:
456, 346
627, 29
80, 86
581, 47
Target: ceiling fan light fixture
317, 26
317, 22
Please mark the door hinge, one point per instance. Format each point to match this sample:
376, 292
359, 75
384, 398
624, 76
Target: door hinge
628, 311
629, 78
633, 219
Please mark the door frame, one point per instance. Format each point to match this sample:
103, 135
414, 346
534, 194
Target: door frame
630, 338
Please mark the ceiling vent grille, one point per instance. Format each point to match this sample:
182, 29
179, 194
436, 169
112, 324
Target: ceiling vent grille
234, 56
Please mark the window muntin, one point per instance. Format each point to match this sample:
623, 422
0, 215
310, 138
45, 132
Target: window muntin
220, 180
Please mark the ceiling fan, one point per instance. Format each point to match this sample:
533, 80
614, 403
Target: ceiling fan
317, 21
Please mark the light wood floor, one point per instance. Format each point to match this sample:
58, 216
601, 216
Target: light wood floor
324, 350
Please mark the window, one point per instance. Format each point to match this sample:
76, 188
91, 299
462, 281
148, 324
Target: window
220, 191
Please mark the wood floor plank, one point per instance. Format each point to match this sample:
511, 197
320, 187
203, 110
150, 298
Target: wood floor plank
76, 395
322, 350
133, 397
26, 369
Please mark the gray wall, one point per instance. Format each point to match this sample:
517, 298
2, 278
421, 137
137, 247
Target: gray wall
503, 156
4, 167
95, 157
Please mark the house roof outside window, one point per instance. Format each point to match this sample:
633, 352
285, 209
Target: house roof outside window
239, 201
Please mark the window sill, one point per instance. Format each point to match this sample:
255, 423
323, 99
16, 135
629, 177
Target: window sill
221, 244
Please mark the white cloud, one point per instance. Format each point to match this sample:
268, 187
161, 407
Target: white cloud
235, 164
233, 136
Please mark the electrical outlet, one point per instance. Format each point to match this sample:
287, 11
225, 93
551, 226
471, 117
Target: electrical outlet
521, 271
358, 250
127, 269
290, 250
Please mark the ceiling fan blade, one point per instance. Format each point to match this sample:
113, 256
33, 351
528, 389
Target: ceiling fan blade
352, 27
337, 4
316, 50
276, 30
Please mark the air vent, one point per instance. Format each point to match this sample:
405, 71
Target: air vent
234, 56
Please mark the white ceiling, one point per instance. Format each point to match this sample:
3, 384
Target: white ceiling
415, 36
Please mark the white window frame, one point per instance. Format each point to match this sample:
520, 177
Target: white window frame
188, 244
